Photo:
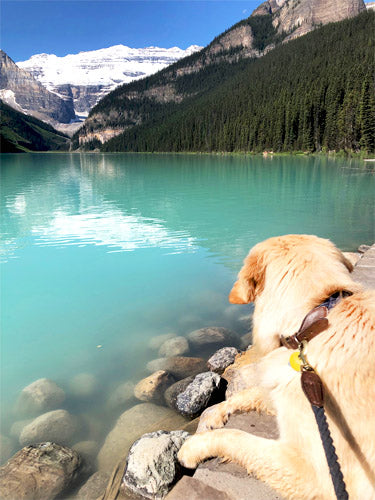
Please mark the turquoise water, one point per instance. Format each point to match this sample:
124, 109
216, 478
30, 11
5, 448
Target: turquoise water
111, 250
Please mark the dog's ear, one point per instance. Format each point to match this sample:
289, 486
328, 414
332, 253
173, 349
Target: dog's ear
250, 280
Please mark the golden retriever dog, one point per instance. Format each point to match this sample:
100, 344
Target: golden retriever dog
286, 277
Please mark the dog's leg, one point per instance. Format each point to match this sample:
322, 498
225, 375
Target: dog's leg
280, 465
216, 416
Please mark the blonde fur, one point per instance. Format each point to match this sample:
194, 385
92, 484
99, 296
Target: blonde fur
288, 276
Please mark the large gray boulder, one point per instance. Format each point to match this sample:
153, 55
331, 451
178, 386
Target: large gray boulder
221, 359
170, 395
152, 465
213, 337
38, 472
177, 346
58, 426
206, 389
142, 418
41, 396
178, 366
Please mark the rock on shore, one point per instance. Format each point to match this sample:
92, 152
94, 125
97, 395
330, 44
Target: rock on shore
152, 464
140, 419
38, 472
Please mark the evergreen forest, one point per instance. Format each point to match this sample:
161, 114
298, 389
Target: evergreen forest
314, 93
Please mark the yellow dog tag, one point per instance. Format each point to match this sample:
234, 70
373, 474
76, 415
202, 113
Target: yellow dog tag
295, 361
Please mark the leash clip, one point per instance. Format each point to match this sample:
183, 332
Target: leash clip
302, 356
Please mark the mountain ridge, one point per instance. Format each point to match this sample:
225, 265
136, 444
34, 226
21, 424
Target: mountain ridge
272, 23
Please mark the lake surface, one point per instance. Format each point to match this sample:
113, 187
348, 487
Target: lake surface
100, 253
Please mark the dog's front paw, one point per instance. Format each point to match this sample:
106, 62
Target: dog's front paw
213, 417
189, 455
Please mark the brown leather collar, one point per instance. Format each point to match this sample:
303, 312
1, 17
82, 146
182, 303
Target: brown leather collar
314, 322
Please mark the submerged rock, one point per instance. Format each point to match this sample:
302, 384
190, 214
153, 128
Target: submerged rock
152, 465
83, 385
17, 427
206, 389
174, 390
179, 366
213, 336
142, 418
156, 342
221, 359
38, 472
177, 346
88, 451
122, 395
94, 487
58, 426
152, 388
7, 448
40, 396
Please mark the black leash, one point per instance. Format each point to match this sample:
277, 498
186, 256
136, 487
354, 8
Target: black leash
312, 386
330, 451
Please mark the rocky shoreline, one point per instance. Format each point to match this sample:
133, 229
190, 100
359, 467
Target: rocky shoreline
61, 455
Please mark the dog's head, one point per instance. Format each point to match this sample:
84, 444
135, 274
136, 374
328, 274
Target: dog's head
293, 255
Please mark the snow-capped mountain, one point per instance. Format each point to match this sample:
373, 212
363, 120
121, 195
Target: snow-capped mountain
88, 76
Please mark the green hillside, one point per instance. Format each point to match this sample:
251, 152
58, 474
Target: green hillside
314, 93
22, 133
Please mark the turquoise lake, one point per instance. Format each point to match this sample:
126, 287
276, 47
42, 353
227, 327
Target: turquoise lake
100, 253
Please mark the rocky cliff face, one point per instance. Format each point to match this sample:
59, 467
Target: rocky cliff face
20, 90
297, 17
273, 21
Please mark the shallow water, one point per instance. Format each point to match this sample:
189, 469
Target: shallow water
102, 252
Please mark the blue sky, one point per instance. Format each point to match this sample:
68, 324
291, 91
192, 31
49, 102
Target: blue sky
63, 27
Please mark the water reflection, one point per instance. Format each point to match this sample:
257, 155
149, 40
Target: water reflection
178, 203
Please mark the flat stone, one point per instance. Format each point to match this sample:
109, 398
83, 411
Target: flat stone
122, 395
57, 426
170, 395
222, 359
39, 397
364, 271
178, 366
213, 336
39, 472
206, 389
152, 388
94, 487
142, 418
233, 479
152, 464
177, 346
156, 342
191, 488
